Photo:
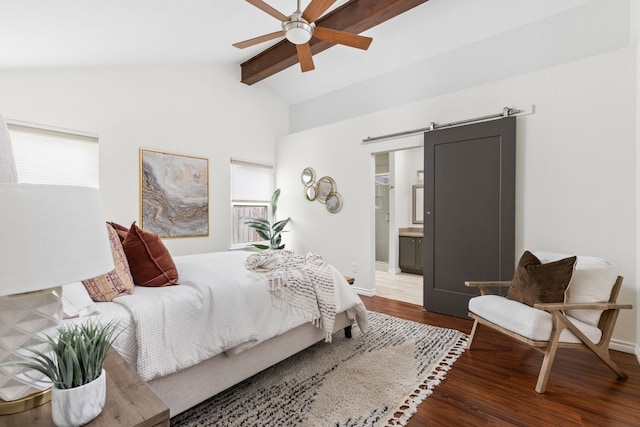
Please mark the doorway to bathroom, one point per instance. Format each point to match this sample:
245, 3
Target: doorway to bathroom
397, 176
382, 211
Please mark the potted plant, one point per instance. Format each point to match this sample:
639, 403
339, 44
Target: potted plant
75, 367
268, 230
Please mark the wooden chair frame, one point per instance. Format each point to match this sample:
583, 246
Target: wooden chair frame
560, 322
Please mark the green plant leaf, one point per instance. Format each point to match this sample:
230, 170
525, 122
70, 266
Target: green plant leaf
280, 225
264, 235
274, 202
258, 222
262, 227
266, 229
77, 354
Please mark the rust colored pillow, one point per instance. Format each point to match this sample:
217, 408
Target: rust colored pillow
150, 261
116, 282
122, 231
535, 282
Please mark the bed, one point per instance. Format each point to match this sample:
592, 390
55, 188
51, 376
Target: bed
219, 326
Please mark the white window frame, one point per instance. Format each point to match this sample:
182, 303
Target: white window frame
264, 201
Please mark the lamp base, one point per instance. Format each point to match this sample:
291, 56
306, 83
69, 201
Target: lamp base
25, 403
23, 320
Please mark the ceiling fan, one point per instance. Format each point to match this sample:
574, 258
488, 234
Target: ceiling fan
300, 27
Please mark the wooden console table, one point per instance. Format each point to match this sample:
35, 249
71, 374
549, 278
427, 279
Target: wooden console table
130, 402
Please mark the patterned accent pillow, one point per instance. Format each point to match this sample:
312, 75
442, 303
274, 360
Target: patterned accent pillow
150, 261
535, 282
121, 230
116, 282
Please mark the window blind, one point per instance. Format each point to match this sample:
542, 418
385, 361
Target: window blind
251, 182
251, 190
47, 155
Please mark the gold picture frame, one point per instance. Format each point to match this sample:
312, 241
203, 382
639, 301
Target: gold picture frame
174, 194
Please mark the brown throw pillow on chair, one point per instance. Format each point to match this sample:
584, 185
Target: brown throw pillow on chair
535, 282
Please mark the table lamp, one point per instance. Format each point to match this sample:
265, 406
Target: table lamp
50, 235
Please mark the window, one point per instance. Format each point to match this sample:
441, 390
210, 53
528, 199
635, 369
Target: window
47, 155
251, 189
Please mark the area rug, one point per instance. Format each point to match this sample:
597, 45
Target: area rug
374, 379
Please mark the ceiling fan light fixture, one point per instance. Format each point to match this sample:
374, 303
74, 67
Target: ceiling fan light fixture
297, 31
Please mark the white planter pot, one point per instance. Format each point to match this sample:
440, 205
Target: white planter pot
77, 406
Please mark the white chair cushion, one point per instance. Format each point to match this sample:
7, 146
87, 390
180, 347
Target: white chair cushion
592, 281
526, 321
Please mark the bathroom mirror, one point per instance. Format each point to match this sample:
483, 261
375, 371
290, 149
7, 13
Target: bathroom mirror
325, 186
334, 202
310, 192
308, 176
418, 204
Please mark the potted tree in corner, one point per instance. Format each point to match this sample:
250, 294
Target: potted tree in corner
75, 367
268, 230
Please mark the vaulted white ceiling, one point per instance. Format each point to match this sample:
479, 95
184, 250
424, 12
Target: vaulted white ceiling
79, 33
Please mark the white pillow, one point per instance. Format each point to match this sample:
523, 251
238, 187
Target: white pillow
76, 301
592, 281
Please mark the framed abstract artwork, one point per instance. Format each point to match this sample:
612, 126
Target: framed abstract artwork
174, 194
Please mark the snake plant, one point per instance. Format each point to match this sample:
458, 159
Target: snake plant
77, 354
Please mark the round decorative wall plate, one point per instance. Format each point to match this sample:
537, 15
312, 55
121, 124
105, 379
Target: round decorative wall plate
325, 186
310, 192
308, 176
334, 202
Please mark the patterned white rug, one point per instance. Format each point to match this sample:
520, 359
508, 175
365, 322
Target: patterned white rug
374, 379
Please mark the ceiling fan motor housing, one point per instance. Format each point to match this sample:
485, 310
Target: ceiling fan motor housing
297, 30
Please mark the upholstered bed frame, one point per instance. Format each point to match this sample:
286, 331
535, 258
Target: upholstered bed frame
188, 387
218, 286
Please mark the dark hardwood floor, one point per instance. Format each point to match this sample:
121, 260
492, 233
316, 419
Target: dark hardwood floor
493, 384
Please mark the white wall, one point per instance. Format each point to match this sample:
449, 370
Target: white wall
199, 110
562, 37
576, 167
635, 36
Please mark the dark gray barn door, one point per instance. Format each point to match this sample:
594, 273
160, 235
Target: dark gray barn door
469, 221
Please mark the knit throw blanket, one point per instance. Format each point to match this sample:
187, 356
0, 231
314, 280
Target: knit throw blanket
298, 284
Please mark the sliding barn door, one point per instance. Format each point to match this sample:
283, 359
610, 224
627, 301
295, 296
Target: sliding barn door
469, 221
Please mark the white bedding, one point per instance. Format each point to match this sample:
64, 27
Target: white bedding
269, 321
216, 307
180, 326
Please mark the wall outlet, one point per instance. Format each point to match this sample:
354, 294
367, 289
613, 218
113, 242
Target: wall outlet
354, 267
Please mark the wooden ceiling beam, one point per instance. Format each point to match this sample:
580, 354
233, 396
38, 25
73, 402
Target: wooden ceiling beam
355, 17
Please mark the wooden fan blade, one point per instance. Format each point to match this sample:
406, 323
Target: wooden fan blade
268, 9
257, 40
316, 8
342, 37
305, 58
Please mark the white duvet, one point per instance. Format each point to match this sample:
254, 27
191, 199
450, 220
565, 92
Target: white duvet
216, 307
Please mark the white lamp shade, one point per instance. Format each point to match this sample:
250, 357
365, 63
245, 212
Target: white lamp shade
51, 235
